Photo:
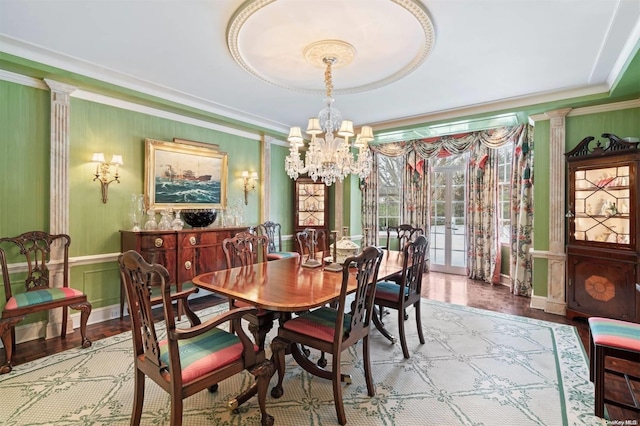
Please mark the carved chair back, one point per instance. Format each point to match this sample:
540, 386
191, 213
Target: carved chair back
402, 234
245, 249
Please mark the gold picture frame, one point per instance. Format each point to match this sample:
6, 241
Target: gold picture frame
184, 175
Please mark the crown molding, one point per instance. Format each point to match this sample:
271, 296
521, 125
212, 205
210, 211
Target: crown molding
596, 109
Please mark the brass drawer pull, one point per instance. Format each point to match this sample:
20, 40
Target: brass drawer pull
159, 242
187, 265
192, 241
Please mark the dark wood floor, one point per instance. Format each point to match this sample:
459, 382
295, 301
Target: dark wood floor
443, 287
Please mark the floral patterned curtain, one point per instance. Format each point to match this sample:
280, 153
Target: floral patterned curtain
369, 187
521, 270
483, 250
484, 253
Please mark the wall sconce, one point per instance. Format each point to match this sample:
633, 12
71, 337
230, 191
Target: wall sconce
103, 169
249, 184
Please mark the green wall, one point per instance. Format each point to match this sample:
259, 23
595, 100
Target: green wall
94, 226
24, 159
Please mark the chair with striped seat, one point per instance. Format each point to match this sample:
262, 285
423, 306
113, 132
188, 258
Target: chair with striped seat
272, 231
43, 270
615, 339
336, 329
190, 359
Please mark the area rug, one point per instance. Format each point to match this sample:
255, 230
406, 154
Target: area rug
476, 368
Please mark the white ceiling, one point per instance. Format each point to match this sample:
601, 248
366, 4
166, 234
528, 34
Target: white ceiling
485, 53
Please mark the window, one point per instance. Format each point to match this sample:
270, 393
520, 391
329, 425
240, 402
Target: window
389, 191
505, 154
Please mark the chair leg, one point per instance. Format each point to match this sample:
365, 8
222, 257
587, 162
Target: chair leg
65, 316
416, 307
403, 338
599, 381
263, 373
278, 348
176, 409
337, 389
7, 332
85, 311
138, 397
366, 355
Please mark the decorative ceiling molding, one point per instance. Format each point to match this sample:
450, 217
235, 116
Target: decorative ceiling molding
251, 17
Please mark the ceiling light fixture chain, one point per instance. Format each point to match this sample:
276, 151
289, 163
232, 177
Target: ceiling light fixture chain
330, 158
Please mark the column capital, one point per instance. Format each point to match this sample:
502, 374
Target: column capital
60, 92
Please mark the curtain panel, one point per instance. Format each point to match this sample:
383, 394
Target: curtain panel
484, 250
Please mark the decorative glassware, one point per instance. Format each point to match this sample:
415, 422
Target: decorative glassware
177, 223
165, 221
151, 223
136, 211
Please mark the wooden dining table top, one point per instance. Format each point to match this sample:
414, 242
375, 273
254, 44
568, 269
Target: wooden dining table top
285, 285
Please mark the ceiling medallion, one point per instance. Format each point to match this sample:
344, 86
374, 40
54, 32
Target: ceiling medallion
268, 43
341, 52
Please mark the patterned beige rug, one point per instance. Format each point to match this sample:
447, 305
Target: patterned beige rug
476, 368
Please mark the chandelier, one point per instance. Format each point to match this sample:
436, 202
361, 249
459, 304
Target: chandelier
329, 159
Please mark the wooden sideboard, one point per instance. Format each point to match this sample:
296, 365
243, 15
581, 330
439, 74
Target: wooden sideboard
185, 253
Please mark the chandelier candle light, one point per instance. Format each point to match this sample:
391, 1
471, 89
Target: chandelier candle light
330, 158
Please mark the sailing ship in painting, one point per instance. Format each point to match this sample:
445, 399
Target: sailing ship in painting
175, 185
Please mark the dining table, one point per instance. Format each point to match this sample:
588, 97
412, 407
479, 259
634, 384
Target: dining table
279, 288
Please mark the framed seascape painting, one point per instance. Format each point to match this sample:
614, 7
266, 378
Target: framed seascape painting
183, 175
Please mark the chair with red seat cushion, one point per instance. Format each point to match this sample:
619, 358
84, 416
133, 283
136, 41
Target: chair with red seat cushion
246, 249
189, 359
399, 296
616, 339
336, 329
272, 231
46, 260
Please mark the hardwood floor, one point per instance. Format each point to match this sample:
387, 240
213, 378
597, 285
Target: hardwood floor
436, 286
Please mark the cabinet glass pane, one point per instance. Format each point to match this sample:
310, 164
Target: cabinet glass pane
602, 205
311, 204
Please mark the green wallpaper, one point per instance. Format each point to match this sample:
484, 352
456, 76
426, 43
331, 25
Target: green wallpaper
94, 226
24, 159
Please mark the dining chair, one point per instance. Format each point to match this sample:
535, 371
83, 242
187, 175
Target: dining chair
272, 231
189, 359
336, 329
400, 235
305, 244
399, 296
44, 258
616, 339
245, 249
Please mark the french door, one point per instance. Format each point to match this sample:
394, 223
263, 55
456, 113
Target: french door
448, 239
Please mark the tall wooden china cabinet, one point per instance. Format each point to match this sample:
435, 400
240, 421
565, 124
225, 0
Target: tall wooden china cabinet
603, 250
311, 204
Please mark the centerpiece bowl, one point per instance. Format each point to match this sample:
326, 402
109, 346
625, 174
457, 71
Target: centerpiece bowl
199, 218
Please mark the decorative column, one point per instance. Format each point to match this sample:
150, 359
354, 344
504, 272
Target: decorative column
556, 272
265, 167
59, 189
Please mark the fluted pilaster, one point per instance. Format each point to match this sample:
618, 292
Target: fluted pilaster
59, 188
556, 272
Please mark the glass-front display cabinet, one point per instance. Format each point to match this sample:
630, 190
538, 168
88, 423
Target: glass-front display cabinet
602, 252
311, 204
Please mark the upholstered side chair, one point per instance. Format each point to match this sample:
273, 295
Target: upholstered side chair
272, 231
190, 359
405, 293
45, 284
335, 329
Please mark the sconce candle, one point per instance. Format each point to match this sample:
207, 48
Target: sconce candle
103, 169
249, 184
